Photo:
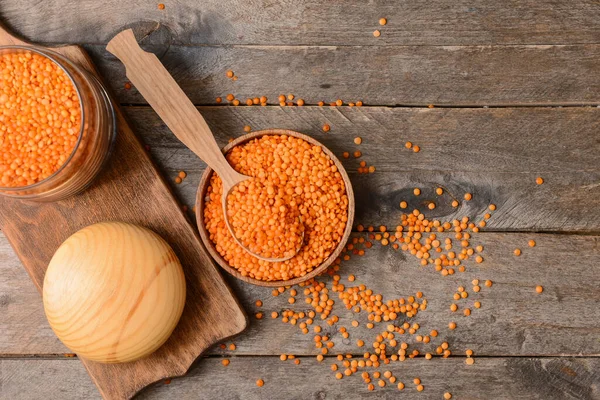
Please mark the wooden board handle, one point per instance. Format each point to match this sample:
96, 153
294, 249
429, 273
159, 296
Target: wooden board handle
158, 87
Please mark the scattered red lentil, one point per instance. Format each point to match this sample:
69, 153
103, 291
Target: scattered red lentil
376, 33
260, 383
326, 128
161, 6
539, 180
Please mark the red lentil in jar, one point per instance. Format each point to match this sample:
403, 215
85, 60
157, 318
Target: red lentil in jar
57, 125
305, 175
40, 118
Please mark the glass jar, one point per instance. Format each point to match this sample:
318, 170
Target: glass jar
96, 137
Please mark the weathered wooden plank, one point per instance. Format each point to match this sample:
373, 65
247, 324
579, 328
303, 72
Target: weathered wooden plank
513, 321
392, 75
496, 154
498, 378
311, 21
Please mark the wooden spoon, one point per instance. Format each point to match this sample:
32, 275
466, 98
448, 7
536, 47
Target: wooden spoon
158, 87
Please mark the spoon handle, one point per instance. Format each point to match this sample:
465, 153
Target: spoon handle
153, 81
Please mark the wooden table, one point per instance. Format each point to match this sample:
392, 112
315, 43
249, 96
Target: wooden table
514, 91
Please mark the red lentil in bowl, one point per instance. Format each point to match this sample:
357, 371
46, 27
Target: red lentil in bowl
311, 175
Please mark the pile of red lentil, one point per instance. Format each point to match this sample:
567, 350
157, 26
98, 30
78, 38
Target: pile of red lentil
40, 118
265, 218
305, 179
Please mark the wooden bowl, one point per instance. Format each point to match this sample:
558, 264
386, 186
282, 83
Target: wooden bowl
201, 194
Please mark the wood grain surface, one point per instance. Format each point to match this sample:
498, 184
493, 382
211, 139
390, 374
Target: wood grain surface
36, 230
391, 76
264, 22
513, 320
498, 378
509, 56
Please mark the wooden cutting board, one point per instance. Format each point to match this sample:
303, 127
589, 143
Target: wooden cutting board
129, 189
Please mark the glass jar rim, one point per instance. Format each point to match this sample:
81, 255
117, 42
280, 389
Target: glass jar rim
58, 60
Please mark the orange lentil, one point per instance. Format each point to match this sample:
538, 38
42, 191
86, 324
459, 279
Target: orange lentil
357, 140
539, 289
236, 102
470, 361
300, 102
178, 180
403, 204
357, 154
225, 362
477, 304
468, 196
478, 259
452, 325
161, 6
400, 385
232, 346
488, 283
229, 73
296, 190
517, 252
431, 206
247, 128
346, 154
531, 243
447, 396
454, 203
219, 100
382, 21
492, 207
260, 383
127, 85
34, 88
416, 148
376, 33
326, 128
417, 191
229, 97
539, 180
